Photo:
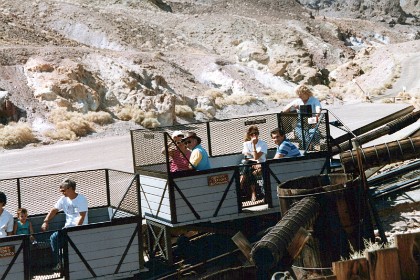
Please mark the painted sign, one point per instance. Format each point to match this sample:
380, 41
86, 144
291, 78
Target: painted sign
255, 122
218, 179
7, 251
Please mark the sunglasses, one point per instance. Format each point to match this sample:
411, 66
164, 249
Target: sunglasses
188, 142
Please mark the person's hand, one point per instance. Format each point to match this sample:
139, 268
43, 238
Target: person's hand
44, 226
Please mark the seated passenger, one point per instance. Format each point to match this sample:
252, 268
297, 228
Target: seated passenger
255, 151
284, 147
199, 158
23, 225
305, 98
178, 153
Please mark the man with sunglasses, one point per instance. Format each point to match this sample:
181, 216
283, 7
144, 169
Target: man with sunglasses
75, 206
199, 158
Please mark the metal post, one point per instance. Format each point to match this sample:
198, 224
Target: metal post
371, 206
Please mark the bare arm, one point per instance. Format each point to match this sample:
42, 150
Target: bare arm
15, 228
31, 231
278, 156
48, 218
82, 218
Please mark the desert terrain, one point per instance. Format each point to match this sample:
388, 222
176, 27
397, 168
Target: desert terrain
73, 70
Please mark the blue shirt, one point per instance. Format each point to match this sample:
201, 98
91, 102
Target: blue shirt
204, 162
287, 149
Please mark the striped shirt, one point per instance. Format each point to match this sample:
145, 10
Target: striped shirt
288, 149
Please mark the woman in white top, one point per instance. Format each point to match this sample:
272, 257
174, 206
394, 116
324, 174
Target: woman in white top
255, 151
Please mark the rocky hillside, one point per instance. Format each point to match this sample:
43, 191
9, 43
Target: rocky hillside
154, 63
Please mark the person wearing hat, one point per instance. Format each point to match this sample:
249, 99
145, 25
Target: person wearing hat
199, 158
178, 153
6, 219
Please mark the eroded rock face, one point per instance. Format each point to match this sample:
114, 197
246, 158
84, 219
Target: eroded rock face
365, 8
8, 111
66, 83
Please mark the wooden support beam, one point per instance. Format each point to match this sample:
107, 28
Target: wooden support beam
409, 255
352, 269
384, 264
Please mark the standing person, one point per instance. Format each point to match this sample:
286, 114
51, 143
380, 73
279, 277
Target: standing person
255, 151
75, 207
178, 153
199, 158
284, 147
305, 98
6, 219
23, 225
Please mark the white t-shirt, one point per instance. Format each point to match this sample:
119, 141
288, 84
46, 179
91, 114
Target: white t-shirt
6, 223
261, 146
72, 208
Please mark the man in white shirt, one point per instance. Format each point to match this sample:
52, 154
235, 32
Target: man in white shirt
6, 219
75, 206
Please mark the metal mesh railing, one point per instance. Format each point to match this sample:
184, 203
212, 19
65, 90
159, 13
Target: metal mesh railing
224, 137
305, 131
123, 193
102, 188
227, 136
148, 144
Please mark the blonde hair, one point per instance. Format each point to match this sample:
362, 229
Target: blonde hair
303, 89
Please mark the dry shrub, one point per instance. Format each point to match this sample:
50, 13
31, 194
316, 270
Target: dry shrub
150, 123
369, 247
101, 118
127, 113
124, 113
150, 120
16, 134
69, 125
387, 100
279, 97
234, 100
213, 93
184, 111
61, 134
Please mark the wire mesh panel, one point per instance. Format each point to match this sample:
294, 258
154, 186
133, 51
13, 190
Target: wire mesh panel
227, 136
40, 193
224, 137
123, 194
306, 131
149, 144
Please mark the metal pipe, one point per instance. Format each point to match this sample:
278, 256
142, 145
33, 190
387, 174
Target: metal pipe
271, 249
389, 128
380, 155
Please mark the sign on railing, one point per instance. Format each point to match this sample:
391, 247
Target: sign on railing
7, 251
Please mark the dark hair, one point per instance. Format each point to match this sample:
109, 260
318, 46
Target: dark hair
3, 198
68, 183
251, 129
21, 211
278, 130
